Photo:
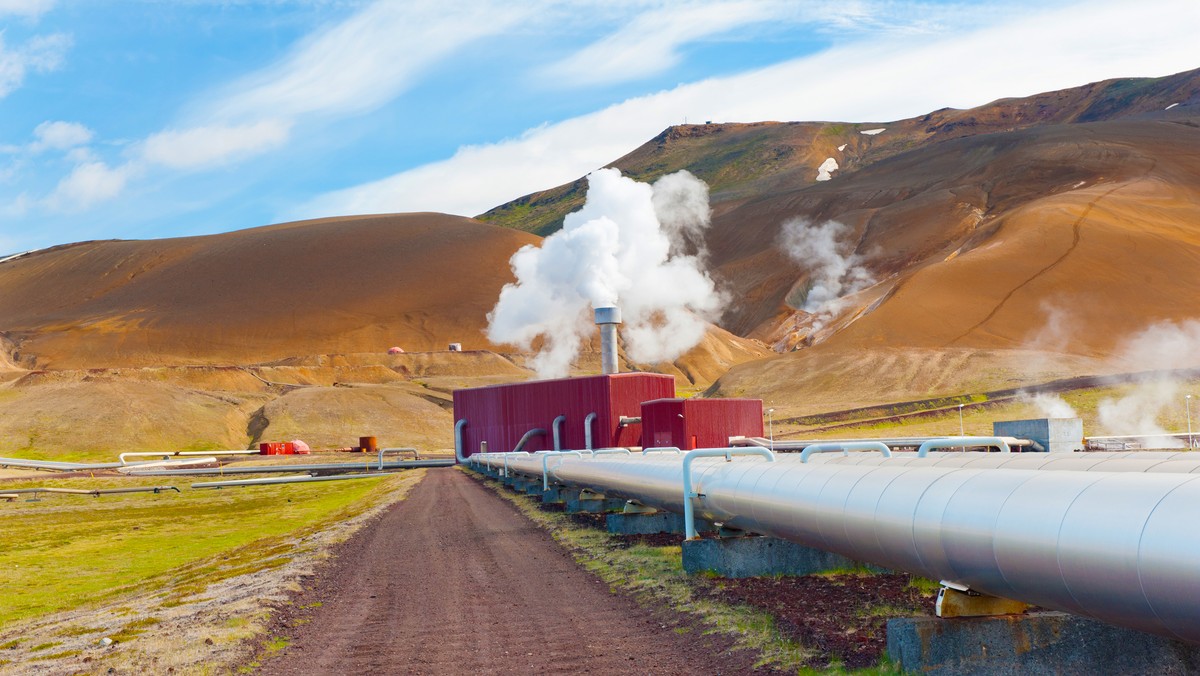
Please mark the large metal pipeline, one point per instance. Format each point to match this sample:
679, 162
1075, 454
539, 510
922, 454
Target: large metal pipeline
1114, 546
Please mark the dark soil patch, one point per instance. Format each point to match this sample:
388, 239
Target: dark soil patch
842, 615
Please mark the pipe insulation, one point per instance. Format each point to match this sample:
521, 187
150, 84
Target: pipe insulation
1115, 546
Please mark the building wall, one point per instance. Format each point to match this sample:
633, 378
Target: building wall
700, 423
1056, 435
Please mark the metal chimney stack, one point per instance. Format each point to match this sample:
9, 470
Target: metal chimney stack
607, 319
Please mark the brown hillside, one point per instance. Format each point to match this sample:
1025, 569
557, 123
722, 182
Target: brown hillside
359, 284
741, 160
1073, 213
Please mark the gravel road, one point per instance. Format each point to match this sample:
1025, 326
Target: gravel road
455, 580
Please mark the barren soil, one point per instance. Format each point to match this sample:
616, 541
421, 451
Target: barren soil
455, 580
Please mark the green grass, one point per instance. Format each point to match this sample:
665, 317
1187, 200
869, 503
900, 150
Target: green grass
57, 656
67, 551
133, 629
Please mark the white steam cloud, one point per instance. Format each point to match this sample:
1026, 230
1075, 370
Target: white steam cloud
681, 203
623, 248
1161, 347
834, 270
1051, 405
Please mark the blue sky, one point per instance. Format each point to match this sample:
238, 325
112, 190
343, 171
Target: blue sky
162, 118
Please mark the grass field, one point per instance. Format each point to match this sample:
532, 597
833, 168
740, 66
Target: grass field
67, 551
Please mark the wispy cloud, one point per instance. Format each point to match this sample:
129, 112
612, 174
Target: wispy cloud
344, 69
208, 146
367, 60
650, 43
873, 79
59, 135
26, 8
40, 54
88, 184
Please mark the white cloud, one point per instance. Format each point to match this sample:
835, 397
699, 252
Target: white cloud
650, 43
873, 80
209, 146
26, 8
89, 183
348, 68
41, 54
59, 135
368, 59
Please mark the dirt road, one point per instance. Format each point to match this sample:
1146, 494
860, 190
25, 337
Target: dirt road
454, 580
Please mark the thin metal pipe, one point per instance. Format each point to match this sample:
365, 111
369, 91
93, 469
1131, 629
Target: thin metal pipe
612, 451
267, 481
508, 455
662, 449
587, 430
891, 442
689, 516
94, 492
291, 469
845, 448
545, 460
458, 440
189, 462
58, 466
535, 432
167, 454
963, 442
416, 454
1178, 462
556, 427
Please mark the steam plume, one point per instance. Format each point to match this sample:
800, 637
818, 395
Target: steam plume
622, 248
1051, 405
1160, 347
834, 270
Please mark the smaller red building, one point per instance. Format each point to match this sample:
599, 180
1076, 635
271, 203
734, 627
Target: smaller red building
700, 423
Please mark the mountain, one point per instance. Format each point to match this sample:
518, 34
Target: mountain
1062, 224
1020, 242
357, 284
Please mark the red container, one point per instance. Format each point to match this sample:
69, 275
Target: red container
502, 414
277, 448
700, 423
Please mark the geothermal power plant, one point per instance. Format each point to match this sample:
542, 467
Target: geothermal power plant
1022, 523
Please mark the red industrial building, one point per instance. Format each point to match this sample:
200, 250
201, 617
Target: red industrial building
700, 423
630, 409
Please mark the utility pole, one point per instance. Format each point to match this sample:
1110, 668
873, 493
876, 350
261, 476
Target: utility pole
1187, 402
771, 427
